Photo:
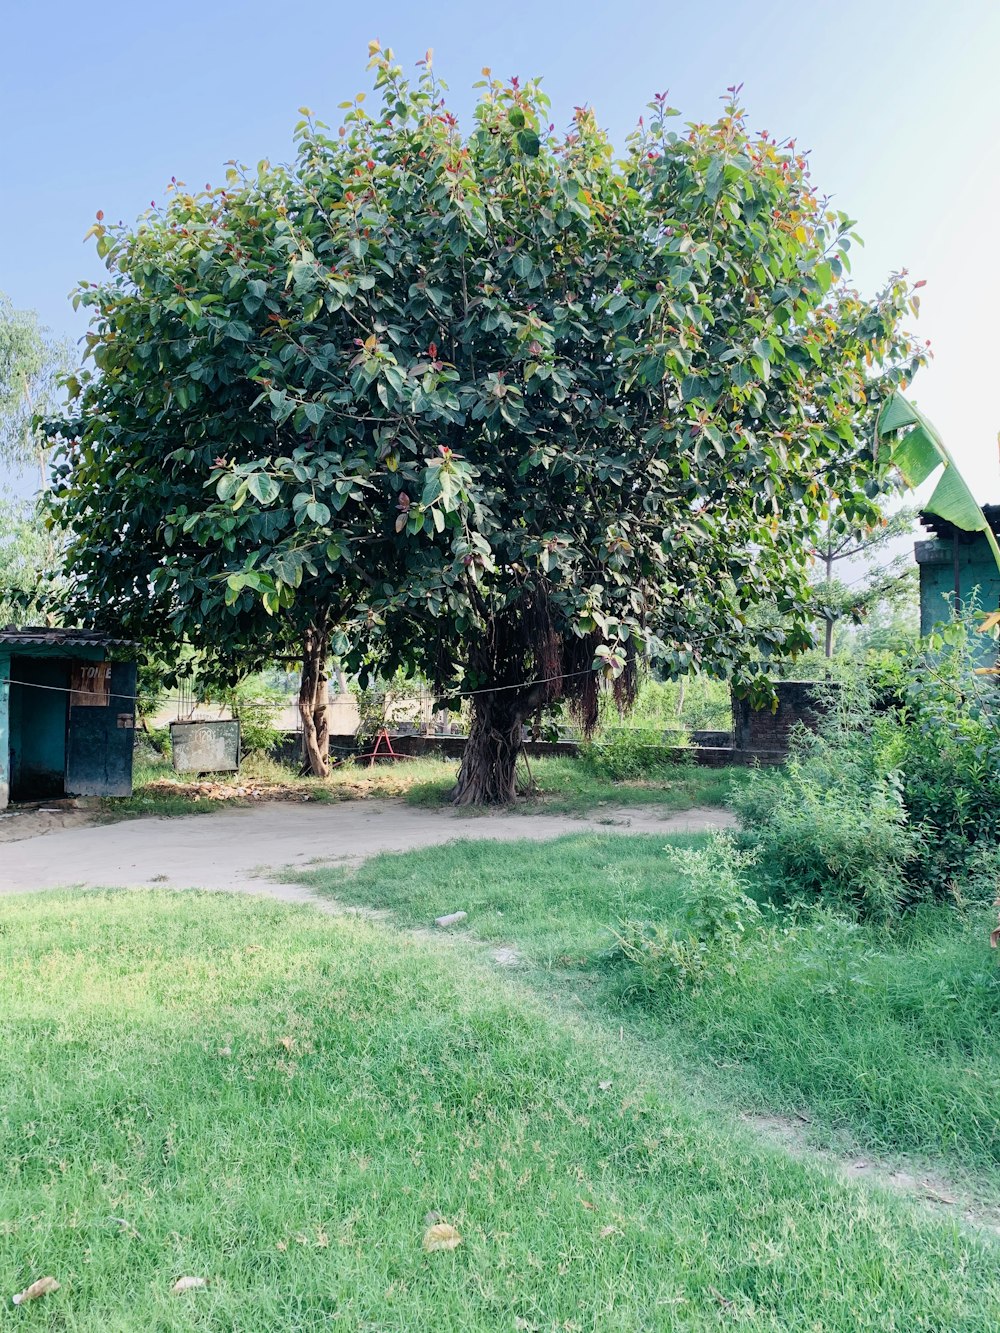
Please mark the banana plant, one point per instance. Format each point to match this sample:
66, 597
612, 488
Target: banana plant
917, 451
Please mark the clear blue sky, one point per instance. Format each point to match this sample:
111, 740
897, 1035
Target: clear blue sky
101, 104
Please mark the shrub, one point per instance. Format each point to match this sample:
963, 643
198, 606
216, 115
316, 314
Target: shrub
715, 909
894, 798
949, 756
628, 753
831, 825
256, 709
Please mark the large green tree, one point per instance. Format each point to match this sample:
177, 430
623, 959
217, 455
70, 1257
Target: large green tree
492, 405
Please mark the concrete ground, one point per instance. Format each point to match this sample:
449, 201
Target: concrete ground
241, 850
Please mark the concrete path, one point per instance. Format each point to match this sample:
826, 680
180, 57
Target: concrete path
240, 850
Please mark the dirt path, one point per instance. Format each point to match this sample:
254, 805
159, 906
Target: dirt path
240, 850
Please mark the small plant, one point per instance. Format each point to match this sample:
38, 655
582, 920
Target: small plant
715, 910
626, 754
256, 708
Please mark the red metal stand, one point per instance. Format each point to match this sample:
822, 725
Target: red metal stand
379, 753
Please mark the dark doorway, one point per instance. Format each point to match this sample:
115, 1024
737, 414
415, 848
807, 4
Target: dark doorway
38, 718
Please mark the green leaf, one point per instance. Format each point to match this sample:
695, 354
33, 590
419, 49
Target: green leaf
953, 501
896, 413
238, 330
523, 264
263, 487
916, 455
528, 142
516, 117
318, 512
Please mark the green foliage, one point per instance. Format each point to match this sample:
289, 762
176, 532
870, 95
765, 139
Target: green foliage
627, 753
693, 703
878, 581
947, 747
833, 823
497, 401
918, 452
651, 743
25, 554
383, 702
150, 688
255, 707
894, 798
714, 909
31, 366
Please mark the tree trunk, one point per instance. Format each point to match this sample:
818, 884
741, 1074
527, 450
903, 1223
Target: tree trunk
829, 638
487, 775
312, 703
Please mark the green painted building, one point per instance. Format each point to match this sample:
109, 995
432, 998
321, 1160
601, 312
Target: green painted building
955, 566
67, 715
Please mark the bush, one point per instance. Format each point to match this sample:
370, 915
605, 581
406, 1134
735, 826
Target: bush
949, 756
158, 740
625, 754
715, 909
833, 823
893, 800
256, 709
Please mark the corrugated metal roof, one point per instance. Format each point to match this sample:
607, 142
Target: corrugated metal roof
943, 529
31, 635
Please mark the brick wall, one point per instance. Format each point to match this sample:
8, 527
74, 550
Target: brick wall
762, 729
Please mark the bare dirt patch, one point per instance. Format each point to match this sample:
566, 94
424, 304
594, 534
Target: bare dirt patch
935, 1191
242, 849
35, 820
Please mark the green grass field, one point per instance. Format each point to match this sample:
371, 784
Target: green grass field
562, 786
278, 1101
888, 1040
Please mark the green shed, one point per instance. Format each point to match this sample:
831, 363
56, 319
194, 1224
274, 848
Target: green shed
67, 714
953, 566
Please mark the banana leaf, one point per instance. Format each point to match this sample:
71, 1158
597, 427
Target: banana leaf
917, 450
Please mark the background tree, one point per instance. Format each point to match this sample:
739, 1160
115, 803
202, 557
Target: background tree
497, 407
31, 364
860, 568
30, 555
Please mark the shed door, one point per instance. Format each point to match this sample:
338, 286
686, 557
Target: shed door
102, 737
37, 727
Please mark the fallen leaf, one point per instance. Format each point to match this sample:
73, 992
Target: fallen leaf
225, 1050
605, 1086
441, 1236
188, 1284
287, 1042
590, 1207
607, 1231
42, 1287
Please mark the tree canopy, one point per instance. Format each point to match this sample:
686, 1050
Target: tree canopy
495, 405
